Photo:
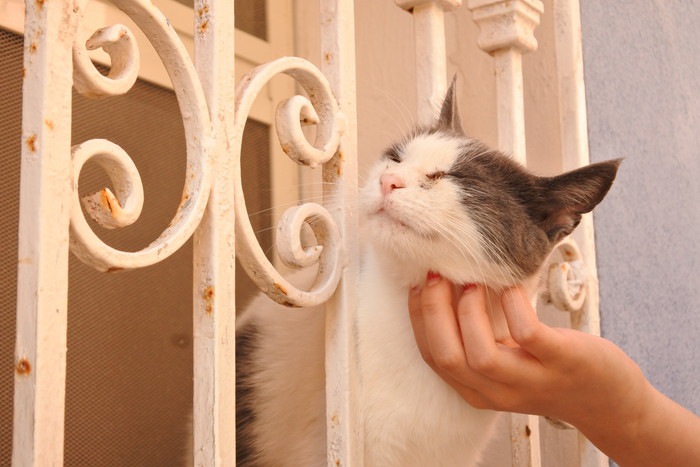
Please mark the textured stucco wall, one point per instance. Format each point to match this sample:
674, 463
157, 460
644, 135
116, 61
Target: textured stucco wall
642, 72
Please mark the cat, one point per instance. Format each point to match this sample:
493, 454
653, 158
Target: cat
435, 201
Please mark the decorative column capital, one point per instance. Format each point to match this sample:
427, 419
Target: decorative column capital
446, 5
506, 24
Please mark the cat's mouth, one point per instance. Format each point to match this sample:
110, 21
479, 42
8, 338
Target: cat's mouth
389, 217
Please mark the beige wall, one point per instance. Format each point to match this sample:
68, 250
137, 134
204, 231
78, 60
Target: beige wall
386, 78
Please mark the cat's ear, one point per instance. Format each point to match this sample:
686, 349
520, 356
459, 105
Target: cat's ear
574, 193
449, 113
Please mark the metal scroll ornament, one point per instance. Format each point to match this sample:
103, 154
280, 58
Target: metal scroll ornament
321, 109
113, 210
567, 278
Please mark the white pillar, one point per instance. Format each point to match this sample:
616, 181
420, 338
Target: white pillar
506, 32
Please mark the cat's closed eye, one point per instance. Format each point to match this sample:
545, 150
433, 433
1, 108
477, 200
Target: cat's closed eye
435, 175
393, 155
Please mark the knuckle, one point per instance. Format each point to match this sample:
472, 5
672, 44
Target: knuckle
449, 362
526, 335
427, 357
484, 363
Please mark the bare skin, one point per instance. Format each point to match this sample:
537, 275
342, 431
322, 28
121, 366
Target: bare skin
582, 379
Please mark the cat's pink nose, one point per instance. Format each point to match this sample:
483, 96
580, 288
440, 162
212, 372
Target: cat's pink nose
390, 182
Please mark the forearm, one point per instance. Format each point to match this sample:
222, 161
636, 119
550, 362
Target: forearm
663, 433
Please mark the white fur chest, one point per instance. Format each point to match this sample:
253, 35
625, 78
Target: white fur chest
411, 416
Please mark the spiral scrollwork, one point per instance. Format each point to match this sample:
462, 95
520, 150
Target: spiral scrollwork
119, 43
567, 278
319, 108
122, 208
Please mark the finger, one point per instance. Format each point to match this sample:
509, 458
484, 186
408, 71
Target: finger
484, 355
540, 340
441, 328
416, 314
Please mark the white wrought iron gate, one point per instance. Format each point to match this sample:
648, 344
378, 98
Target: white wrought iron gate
214, 109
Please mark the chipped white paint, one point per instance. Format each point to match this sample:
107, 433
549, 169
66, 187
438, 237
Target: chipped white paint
84, 243
574, 138
104, 207
213, 193
506, 32
431, 61
321, 107
45, 199
214, 248
566, 277
120, 44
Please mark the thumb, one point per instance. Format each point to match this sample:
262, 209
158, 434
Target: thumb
527, 330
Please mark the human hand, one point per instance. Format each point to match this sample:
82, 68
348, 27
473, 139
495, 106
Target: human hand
560, 373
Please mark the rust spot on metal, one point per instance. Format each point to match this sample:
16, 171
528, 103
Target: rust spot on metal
49, 124
24, 72
115, 269
328, 57
31, 143
202, 11
337, 462
208, 296
40, 3
104, 199
334, 419
281, 288
528, 431
23, 367
286, 148
32, 47
203, 26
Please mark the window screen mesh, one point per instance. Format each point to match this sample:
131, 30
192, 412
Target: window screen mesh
129, 375
250, 16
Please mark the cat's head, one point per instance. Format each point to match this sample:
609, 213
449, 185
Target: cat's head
439, 200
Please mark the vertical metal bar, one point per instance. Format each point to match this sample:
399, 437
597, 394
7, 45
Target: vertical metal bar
574, 137
431, 53
431, 61
507, 32
344, 432
509, 97
45, 201
214, 246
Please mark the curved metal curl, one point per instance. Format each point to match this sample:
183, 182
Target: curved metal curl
566, 279
119, 42
123, 209
320, 107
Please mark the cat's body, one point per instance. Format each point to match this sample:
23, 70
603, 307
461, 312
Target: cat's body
437, 201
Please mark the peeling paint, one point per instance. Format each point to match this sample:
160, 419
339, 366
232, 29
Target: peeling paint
31, 143
23, 367
281, 288
208, 296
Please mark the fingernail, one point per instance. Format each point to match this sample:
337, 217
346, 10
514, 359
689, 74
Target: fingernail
433, 278
468, 287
